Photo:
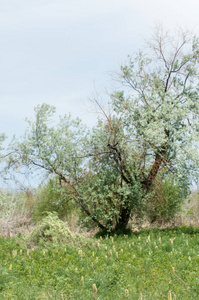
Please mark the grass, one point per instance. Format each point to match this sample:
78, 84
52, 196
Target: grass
190, 210
15, 212
47, 261
150, 265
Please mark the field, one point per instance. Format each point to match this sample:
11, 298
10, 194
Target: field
152, 264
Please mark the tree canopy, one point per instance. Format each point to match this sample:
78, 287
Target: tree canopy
151, 131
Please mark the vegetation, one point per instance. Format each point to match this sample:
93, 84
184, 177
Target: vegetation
54, 231
165, 201
15, 212
149, 134
190, 210
137, 163
51, 197
148, 265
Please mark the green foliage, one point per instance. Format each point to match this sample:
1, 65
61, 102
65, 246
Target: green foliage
107, 233
53, 231
148, 265
105, 196
151, 125
165, 201
2, 139
52, 198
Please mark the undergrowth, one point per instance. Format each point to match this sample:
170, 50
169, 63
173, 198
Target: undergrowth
147, 265
51, 231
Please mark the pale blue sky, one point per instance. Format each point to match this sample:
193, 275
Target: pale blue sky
59, 51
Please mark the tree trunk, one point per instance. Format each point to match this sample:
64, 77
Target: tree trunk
154, 171
123, 220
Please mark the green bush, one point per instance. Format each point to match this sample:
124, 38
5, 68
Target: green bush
52, 198
165, 201
53, 231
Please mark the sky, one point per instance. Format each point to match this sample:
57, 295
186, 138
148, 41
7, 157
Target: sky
62, 52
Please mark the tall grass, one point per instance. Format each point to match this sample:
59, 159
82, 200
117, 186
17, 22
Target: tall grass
15, 212
149, 265
189, 214
20, 211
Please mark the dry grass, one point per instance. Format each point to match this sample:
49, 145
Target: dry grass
18, 224
15, 216
15, 213
189, 214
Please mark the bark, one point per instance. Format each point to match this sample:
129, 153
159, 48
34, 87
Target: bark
125, 175
154, 171
90, 215
123, 220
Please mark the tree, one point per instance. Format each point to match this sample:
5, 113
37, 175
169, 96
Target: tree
2, 139
152, 128
154, 120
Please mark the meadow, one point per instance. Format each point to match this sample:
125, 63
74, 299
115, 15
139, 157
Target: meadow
151, 264
53, 259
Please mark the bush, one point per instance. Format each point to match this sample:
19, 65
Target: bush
53, 231
165, 201
52, 198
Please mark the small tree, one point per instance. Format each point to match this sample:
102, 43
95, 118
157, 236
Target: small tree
2, 154
153, 126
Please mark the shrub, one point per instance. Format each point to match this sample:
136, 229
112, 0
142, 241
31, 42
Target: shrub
51, 230
165, 201
52, 198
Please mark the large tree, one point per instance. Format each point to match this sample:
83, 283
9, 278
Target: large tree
152, 128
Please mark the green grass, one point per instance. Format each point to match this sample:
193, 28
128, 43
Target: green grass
149, 265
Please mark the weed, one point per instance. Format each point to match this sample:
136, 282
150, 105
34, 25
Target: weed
149, 265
